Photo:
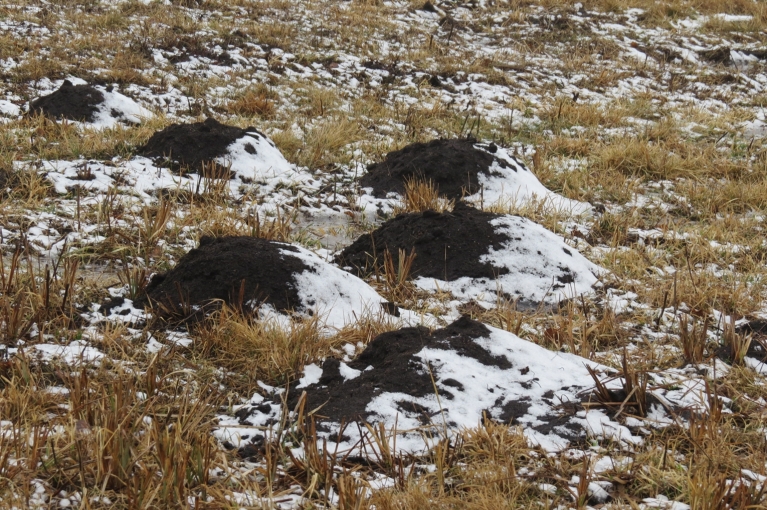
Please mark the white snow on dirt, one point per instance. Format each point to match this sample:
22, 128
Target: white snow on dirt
264, 174
116, 109
9, 109
338, 297
75, 353
534, 266
534, 390
507, 83
255, 157
514, 185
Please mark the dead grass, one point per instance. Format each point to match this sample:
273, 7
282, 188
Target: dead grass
422, 196
256, 102
137, 429
663, 158
260, 350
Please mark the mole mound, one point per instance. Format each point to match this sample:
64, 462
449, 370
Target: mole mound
193, 145
251, 272
100, 106
244, 152
72, 102
478, 255
451, 165
447, 245
229, 267
478, 172
412, 379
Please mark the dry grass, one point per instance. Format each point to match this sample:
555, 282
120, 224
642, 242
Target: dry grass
137, 428
256, 102
422, 196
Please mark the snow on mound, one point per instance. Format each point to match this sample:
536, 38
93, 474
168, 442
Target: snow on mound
247, 159
200, 146
100, 107
426, 384
257, 273
478, 255
9, 109
142, 177
461, 168
534, 266
509, 182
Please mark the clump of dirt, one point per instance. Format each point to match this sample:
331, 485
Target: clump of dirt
193, 146
71, 102
395, 369
451, 165
447, 245
235, 270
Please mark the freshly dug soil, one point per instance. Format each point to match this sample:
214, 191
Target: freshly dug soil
451, 165
190, 146
395, 370
447, 245
222, 268
71, 102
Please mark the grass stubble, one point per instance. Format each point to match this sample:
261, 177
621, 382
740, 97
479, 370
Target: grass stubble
135, 429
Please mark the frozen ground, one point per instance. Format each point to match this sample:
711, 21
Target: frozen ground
607, 108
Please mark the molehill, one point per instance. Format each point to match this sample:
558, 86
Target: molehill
235, 270
194, 147
447, 245
452, 166
70, 102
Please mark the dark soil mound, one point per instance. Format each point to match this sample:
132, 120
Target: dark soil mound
394, 370
390, 365
447, 245
193, 145
71, 102
237, 270
451, 165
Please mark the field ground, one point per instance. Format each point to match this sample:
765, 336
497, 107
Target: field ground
653, 112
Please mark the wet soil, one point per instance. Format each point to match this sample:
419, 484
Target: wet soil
243, 272
447, 245
70, 102
451, 165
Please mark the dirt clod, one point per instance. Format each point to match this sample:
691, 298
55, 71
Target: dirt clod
71, 102
452, 166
